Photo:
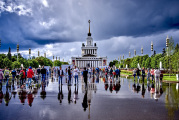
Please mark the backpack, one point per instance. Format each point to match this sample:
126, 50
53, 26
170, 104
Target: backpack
7, 72
21, 74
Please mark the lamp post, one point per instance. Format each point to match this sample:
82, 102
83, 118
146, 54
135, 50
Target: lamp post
45, 55
38, 53
168, 54
53, 60
142, 50
118, 59
152, 47
29, 53
17, 51
129, 54
134, 52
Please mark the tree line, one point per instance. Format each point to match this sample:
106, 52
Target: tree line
169, 58
12, 62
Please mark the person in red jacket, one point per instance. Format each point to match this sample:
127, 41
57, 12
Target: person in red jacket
30, 74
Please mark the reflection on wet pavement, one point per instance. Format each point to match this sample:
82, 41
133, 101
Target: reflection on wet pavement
102, 98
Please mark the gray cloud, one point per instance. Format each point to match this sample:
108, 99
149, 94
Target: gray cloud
127, 24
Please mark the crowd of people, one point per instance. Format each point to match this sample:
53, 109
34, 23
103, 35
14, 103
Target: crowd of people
27, 78
154, 74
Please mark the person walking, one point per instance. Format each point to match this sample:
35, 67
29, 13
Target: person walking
38, 72
138, 73
85, 76
111, 71
89, 71
30, 74
143, 74
69, 75
106, 73
117, 73
157, 74
148, 75
75, 71
1, 78
134, 73
43, 73
13, 75
22, 77
152, 74
6, 74
60, 74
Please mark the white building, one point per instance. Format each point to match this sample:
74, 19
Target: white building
89, 56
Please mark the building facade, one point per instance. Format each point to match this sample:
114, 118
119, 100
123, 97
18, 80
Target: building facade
89, 56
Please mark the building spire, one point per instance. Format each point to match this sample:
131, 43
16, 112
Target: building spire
89, 34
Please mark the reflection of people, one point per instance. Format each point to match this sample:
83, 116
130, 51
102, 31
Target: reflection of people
106, 85
69, 94
152, 90
30, 98
138, 86
75, 94
118, 86
143, 90
85, 103
110, 87
7, 97
148, 85
22, 96
43, 92
1, 96
60, 94
134, 87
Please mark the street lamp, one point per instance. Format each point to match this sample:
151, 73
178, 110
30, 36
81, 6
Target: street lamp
38, 53
17, 51
152, 47
129, 54
142, 50
134, 52
45, 55
29, 53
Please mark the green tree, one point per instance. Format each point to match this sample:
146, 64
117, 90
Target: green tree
57, 63
40, 60
7, 63
16, 64
147, 62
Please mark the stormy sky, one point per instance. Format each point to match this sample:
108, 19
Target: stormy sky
58, 27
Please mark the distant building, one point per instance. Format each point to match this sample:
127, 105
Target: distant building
89, 57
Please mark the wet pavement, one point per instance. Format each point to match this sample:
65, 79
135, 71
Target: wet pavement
103, 99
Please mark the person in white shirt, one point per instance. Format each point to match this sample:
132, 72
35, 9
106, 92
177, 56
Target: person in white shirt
89, 71
75, 71
157, 74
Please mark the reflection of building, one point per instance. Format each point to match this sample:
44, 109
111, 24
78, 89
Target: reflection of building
89, 56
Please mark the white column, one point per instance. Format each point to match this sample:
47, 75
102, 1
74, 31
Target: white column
90, 63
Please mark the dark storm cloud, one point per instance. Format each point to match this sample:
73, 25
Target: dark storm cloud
36, 23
